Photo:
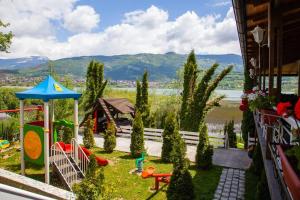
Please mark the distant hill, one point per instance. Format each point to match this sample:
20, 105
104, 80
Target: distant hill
123, 67
18, 63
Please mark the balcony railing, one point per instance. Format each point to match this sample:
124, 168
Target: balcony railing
271, 131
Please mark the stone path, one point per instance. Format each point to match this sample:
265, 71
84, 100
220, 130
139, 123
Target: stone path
231, 185
231, 158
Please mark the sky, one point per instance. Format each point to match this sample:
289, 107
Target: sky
67, 28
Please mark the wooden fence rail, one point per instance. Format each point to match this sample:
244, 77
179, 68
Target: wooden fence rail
191, 138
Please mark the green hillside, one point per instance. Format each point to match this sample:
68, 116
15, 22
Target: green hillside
161, 67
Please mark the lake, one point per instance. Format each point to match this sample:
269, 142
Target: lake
231, 95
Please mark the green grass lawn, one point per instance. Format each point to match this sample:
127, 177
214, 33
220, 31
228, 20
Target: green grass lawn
123, 185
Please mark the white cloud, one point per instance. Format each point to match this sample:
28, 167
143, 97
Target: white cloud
148, 31
81, 19
222, 3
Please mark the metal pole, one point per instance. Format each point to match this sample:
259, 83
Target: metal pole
52, 118
22, 136
46, 141
76, 125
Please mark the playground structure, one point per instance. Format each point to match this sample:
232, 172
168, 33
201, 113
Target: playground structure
159, 178
38, 139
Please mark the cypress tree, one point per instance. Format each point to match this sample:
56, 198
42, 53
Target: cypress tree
204, 150
138, 98
170, 135
110, 138
189, 82
95, 85
231, 134
181, 183
145, 103
248, 125
137, 136
88, 135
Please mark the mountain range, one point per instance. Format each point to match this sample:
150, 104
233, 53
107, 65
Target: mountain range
161, 67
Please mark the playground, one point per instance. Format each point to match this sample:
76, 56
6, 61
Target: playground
119, 182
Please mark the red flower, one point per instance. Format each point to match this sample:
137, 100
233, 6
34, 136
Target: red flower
282, 108
243, 107
297, 109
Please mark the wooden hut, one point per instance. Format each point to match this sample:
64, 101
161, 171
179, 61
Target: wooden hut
118, 111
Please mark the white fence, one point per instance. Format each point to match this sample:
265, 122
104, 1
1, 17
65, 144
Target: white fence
191, 138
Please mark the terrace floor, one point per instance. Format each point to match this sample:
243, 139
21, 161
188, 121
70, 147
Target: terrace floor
231, 158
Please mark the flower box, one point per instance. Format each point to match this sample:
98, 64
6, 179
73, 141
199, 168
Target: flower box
268, 116
289, 175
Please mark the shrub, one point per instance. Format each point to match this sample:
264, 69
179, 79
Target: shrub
88, 135
92, 185
257, 163
262, 190
9, 129
229, 129
67, 134
169, 138
181, 183
204, 150
110, 138
137, 136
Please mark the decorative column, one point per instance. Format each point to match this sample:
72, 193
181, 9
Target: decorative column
22, 136
76, 125
46, 141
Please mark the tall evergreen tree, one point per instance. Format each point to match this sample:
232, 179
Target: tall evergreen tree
95, 85
110, 138
201, 104
138, 98
137, 136
88, 135
189, 82
170, 137
248, 125
181, 183
229, 129
145, 101
204, 150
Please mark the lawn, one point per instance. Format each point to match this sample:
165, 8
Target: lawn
122, 184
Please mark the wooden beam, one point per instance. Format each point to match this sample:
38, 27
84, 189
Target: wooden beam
298, 77
279, 55
271, 47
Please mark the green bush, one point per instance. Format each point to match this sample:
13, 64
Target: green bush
110, 138
169, 138
67, 134
137, 136
9, 129
262, 189
229, 129
204, 152
91, 187
257, 163
88, 135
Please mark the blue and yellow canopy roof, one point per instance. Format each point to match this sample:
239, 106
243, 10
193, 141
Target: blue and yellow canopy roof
48, 89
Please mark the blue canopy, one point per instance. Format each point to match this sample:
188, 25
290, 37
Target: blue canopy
48, 89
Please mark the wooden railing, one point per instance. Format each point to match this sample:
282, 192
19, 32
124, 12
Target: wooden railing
191, 138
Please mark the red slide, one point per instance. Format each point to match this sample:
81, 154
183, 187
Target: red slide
67, 148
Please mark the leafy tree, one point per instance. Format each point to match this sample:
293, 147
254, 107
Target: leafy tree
169, 138
5, 38
95, 85
138, 98
229, 129
145, 102
110, 138
204, 150
137, 136
190, 76
88, 135
181, 183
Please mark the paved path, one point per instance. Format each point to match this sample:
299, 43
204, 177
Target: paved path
231, 185
232, 158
